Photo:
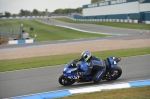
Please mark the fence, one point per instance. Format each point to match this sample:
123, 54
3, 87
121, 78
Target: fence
9, 32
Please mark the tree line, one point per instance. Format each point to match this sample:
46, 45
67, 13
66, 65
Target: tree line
93, 1
67, 11
35, 12
22, 12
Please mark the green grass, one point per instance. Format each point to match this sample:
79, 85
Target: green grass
26, 63
113, 24
48, 32
129, 93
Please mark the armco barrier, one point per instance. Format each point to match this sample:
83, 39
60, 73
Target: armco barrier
146, 22
64, 93
101, 20
21, 41
111, 20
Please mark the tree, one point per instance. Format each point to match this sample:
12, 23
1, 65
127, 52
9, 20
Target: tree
93, 1
14, 15
65, 11
1, 14
35, 12
79, 10
22, 12
43, 13
68, 11
60, 11
25, 12
7, 14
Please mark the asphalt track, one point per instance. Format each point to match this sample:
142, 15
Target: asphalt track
39, 80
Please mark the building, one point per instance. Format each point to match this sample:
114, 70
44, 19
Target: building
117, 10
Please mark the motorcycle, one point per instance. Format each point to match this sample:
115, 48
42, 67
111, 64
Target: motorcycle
73, 71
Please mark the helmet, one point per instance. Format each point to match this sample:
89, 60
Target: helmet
86, 55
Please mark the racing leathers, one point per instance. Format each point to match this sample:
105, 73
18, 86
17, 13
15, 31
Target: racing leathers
96, 67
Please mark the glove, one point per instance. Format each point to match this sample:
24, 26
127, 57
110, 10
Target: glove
75, 60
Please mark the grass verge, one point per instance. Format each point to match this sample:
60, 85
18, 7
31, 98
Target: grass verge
130, 93
112, 24
46, 32
26, 63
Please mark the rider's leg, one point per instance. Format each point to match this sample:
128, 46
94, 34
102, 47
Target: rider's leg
98, 75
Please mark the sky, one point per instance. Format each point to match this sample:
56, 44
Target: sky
14, 6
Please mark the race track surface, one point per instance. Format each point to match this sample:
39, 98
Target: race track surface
91, 27
40, 80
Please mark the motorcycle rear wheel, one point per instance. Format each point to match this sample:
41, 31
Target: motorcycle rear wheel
119, 73
66, 81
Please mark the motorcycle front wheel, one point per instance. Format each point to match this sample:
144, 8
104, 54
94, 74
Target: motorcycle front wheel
66, 81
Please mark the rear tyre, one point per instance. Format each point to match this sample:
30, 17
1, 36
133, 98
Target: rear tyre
118, 71
66, 81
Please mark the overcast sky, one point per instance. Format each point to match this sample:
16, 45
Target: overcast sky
14, 6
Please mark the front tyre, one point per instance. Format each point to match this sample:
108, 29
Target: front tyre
66, 81
118, 73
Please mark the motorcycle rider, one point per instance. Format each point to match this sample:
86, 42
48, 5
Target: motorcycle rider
93, 63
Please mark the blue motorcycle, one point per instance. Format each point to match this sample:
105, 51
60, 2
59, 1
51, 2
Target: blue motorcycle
74, 71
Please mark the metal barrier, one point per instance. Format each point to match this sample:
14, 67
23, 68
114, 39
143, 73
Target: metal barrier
9, 32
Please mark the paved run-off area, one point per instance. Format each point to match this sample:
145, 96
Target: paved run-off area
75, 47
